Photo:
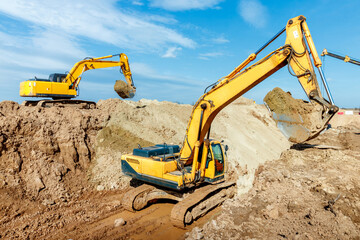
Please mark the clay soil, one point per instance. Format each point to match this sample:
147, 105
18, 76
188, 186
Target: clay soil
60, 174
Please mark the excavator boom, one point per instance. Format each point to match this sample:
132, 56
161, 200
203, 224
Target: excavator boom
124, 90
294, 53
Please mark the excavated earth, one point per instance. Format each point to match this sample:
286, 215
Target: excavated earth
311, 192
60, 174
298, 119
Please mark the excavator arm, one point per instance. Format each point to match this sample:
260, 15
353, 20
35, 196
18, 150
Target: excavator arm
295, 53
127, 90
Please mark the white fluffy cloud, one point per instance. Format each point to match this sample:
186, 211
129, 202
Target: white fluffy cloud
171, 52
39, 52
98, 20
253, 12
176, 5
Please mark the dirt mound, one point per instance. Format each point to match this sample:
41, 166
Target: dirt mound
309, 193
149, 122
54, 159
343, 137
297, 119
41, 147
348, 121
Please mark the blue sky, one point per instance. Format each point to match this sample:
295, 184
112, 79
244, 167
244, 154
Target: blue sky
175, 48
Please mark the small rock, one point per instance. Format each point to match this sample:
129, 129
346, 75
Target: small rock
293, 206
114, 185
48, 202
274, 213
119, 222
197, 233
38, 183
308, 236
100, 187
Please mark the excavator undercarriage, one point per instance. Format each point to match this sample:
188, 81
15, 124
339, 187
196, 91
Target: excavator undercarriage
190, 204
81, 104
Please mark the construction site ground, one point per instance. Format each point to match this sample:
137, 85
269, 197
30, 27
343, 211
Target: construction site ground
60, 174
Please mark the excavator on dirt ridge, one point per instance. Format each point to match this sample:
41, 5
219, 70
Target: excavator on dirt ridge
194, 175
63, 87
345, 58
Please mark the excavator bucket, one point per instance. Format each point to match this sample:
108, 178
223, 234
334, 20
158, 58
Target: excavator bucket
124, 90
298, 120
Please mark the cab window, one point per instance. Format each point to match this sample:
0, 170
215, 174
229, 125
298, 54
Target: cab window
218, 154
218, 157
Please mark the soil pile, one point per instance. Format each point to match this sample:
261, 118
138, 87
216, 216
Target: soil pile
297, 119
55, 160
348, 121
57, 166
244, 126
122, 89
44, 154
311, 192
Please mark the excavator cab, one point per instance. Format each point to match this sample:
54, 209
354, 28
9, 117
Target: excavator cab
57, 77
215, 162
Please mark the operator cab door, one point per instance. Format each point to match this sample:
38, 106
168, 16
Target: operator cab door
218, 157
215, 162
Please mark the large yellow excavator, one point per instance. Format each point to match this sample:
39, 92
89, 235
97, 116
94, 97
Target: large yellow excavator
63, 87
193, 176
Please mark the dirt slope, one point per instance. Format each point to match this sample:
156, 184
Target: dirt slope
39, 147
57, 165
60, 176
311, 192
244, 126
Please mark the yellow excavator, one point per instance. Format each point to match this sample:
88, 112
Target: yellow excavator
63, 87
193, 175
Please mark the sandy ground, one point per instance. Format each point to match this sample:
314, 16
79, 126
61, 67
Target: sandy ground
60, 176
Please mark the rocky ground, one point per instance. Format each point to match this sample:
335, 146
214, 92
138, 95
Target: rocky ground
60, 176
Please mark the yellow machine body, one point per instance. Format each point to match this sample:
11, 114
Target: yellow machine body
163, 169
46, 89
